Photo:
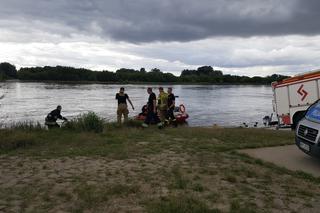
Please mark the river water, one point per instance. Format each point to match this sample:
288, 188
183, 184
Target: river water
225, 105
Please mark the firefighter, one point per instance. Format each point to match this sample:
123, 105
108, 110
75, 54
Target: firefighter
53, 116
162, 104
171, 105
122, 105
152, 116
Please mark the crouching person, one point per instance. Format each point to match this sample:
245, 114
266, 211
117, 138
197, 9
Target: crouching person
53, 116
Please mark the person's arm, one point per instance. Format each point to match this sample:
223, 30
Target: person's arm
130, 101
155, 105
173, 101
61, 117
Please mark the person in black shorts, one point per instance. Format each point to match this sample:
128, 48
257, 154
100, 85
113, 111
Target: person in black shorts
122, 105
171, 105
152, 116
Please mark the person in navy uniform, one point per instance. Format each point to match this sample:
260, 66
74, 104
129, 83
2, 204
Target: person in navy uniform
53, 116
152, 116
171, 105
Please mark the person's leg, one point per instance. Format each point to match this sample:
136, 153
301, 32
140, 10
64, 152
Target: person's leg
167, 115
158, 121
163, 115
171, 115
148, 119
125, 114
123, 111
150, 116
119, 115
155, 118
53, 125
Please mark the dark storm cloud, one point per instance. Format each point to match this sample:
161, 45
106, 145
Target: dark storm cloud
164, 20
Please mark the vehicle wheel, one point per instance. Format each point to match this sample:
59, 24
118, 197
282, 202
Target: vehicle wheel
296, 118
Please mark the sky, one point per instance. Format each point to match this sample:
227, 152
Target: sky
247, 37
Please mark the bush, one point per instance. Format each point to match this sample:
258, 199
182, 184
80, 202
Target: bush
86, 122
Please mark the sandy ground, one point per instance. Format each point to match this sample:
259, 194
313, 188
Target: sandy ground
289, 157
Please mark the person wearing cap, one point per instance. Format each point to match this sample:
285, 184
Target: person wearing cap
53, 116
122, 105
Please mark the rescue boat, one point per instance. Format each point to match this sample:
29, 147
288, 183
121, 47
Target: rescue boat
179, 113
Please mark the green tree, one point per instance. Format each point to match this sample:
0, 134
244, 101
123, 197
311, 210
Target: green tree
8, 70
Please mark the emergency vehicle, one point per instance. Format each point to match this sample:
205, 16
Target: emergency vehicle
293, 96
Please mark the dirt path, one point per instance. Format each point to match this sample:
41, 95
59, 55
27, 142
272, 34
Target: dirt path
289, 157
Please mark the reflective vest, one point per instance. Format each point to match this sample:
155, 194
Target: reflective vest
163, 101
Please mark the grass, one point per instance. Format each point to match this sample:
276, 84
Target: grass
26, 125
179, 181
180, 204
125, 142
124, 168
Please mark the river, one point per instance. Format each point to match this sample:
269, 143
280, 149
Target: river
225, 105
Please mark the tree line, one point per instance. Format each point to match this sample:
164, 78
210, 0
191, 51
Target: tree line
8, 71
204, 74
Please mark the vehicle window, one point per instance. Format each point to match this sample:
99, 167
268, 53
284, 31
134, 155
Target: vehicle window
313, 113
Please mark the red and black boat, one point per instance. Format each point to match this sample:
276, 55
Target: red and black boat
179, 112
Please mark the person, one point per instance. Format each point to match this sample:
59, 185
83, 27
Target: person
152, 110
122, 105
162, 104
53, 116
144, 111
171, 106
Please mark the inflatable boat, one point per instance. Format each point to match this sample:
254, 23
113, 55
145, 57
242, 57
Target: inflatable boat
179, 113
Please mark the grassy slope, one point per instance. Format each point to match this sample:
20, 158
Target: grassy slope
170, 170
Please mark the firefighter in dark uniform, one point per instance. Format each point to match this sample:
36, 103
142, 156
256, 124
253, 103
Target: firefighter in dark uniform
170, 118
53, 116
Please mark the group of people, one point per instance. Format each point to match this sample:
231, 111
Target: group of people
157, 111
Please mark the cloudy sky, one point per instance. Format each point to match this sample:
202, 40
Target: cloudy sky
247, 37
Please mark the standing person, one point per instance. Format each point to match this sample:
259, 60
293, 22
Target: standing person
162, 104
152, 110
171, 106
122, 105
53, 116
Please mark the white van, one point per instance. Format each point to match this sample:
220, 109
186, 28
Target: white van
307, 132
